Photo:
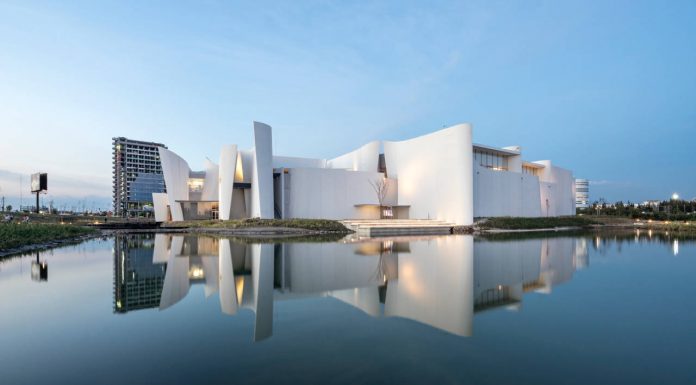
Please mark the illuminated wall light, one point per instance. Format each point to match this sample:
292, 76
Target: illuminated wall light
196, 272
239, 171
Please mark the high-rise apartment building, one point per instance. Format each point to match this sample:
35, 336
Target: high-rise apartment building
137, 174
582, 193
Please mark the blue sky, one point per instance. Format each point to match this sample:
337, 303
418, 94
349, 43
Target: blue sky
607, 89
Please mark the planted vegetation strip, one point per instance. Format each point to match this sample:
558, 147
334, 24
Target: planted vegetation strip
307, 224
517, 223
14, 235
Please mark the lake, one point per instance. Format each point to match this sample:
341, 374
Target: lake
613, 308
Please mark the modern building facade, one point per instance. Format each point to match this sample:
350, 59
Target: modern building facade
442, 175
137, 174
582, 193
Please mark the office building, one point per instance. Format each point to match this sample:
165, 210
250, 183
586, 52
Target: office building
137, 174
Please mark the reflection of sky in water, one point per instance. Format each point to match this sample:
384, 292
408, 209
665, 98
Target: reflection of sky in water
350, 311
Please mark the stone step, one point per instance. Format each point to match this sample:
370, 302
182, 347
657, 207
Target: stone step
387, 227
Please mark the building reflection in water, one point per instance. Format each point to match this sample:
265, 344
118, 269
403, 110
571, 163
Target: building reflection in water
439, 281
137, 280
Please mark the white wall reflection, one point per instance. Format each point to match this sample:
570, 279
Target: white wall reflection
440, 282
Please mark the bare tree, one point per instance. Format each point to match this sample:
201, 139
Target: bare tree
381, 188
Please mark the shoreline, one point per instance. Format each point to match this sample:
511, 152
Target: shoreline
47, 245
266, 233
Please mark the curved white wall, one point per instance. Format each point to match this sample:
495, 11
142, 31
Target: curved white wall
176, 173
435, 174
228, 164
365, 158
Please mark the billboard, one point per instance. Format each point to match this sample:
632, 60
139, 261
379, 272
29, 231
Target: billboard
39, 182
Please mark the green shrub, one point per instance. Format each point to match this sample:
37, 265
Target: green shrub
519, 223
307, 224
14, 235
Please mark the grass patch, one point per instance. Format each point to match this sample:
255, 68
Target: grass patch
13, 235
306, 224
248, 240
517, 223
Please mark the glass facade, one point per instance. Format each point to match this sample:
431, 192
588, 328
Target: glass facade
490, 159
530, 170
142, 187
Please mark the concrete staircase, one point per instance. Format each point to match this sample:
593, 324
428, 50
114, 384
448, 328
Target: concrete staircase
391, 227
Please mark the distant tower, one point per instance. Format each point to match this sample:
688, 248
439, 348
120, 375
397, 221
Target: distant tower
582, 193
137, 173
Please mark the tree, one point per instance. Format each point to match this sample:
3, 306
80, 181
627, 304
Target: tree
381, 187
8, 207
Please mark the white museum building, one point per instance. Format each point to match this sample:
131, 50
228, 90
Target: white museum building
442, 175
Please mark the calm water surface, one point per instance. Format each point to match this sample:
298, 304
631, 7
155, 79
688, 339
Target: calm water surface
174, 309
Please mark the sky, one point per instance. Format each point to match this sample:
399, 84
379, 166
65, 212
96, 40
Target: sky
606, 89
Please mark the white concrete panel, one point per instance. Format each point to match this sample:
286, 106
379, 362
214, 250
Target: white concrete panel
246, 158
329, 193
228, 164
160, 203
435, 174
176, 173
504, 193
365, 158
211, 183
557, 190
262, 175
